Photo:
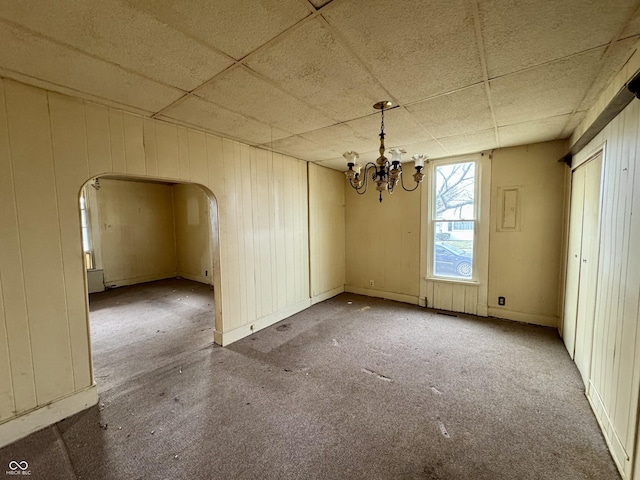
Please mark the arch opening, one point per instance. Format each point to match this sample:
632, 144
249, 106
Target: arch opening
152, 270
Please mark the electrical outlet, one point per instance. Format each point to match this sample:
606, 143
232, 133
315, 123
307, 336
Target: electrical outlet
501, 301
371, 283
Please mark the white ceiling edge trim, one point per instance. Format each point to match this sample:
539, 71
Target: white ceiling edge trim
48, 86
626, 73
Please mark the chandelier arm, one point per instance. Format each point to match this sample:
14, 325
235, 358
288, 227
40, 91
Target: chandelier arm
367, 168
405, 188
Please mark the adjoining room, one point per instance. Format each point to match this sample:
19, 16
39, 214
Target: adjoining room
148, 255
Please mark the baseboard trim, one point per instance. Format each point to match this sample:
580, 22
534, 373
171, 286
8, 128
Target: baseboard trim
398, 297
41, 417
195, 278
227, 338
135, 280
544, 320
620, 456
326, 295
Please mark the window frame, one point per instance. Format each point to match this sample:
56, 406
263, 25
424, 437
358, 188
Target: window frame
85, 230
431, 220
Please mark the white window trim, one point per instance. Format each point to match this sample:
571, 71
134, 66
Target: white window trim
481, 233
432, 221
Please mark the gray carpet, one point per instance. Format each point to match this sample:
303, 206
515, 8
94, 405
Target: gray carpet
139, 328
352, 388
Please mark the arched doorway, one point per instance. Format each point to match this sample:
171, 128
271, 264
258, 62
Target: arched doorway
151, 257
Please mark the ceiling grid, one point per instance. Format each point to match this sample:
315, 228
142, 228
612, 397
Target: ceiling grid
300, 76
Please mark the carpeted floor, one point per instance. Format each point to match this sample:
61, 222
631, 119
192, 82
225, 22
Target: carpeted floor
352, 388
139, 328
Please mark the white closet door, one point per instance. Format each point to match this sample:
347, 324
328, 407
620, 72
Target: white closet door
588, 267
573, 260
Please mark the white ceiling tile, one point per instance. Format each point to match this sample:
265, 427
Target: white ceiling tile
339, 164
524, 33
301, 148
616, 57
633, 26
542, 130
108, 30
471, 143
362, 136
312, 65
573, 123
241, 91
34, 56
235, 27
399, 126
430, 148
415, 49
546, 91
208, 116
463, 111
341, 138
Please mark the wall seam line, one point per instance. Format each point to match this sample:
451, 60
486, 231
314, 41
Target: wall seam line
61, 250
21, 260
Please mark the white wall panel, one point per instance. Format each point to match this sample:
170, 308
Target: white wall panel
98, 139
244, 159
7, 402
13, 289
116, 137
50, 145
198, 163
167, 150
614, 374
71, 169
326, 228
39, 230
133, 144
183, 154
150, 147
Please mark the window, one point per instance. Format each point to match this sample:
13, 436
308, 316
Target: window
454, 219
86, 228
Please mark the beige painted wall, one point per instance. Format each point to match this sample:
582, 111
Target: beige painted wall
50, 145
614, 371
192, 233
525, 263
326, 232
136, 231
383, 243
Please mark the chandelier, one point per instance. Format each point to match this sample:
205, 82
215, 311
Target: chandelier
384, 172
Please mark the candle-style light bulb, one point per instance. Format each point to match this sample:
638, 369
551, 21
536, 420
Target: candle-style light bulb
351, 157
418, 160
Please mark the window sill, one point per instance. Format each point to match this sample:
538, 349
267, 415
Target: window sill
453, 280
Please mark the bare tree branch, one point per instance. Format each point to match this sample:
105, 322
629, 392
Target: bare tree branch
453, 191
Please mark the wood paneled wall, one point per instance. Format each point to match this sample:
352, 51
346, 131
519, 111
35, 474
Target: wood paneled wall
614, 371
50, 145
326, 232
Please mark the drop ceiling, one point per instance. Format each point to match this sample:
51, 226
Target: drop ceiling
300, 76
